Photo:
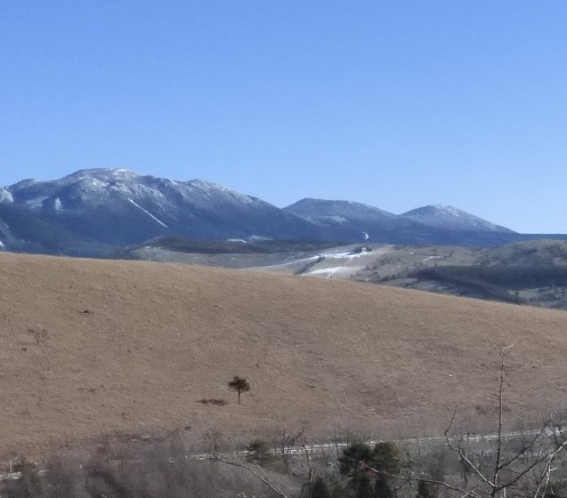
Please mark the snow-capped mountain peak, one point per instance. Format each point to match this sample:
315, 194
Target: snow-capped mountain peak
449, 217
119, 206
102, 174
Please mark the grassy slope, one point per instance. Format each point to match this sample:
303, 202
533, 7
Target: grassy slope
321, 354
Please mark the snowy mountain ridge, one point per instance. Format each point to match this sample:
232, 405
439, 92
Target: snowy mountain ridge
118, 207
97, 186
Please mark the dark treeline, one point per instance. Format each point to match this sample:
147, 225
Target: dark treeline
512, 278
182, 244
494, 282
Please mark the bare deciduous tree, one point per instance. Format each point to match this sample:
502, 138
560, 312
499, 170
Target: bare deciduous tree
510, 469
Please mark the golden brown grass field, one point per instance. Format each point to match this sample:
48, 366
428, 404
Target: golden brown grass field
327, 356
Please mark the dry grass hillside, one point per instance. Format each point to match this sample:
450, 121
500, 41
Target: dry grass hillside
90, 347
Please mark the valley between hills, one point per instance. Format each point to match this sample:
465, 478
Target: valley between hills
93, 347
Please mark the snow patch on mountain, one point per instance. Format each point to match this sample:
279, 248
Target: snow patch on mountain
148, 213
36, 202
346, 255
334, 270
336, 211
6, 195
446, 210
104, 175
212, 191
258, 238
337, 219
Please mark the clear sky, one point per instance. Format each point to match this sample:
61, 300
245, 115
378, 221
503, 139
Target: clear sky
394, 103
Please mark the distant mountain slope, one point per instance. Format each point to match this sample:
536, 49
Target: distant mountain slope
532, 272
347, 221
428, 225
338, 211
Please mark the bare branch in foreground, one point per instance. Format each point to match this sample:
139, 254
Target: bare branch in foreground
255, 471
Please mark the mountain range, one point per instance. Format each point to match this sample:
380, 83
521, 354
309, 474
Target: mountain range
97, 211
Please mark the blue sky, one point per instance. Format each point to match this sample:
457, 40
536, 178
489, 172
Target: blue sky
393, 103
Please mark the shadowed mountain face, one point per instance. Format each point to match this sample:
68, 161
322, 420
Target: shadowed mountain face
92, 211
22, 230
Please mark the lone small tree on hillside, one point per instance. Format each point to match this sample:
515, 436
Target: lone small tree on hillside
240, 385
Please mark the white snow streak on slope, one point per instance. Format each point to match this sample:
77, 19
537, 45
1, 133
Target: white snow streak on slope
431, 257
336, 270
292, 263
345, 255
148, 213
